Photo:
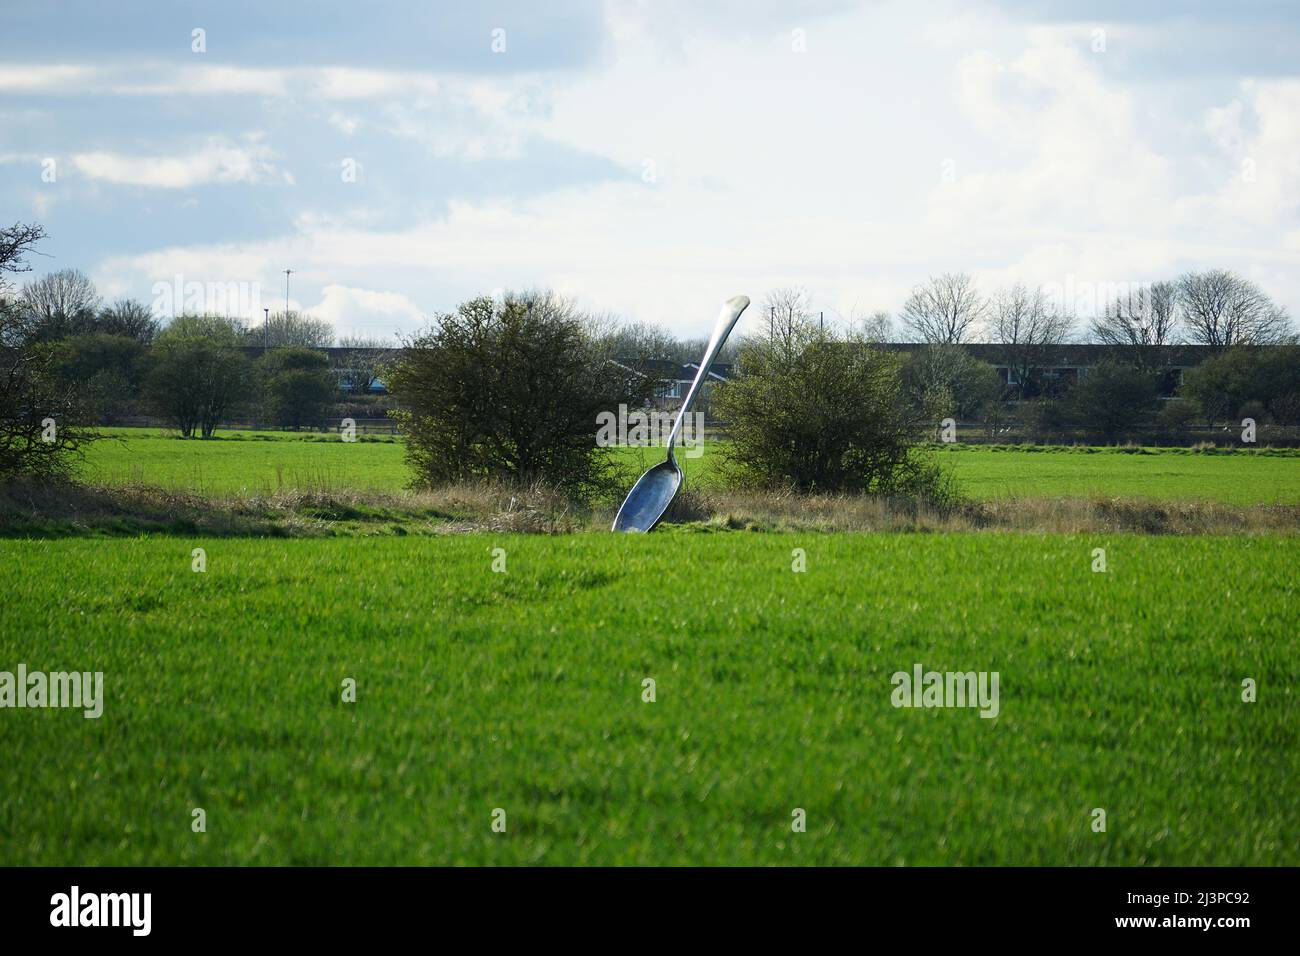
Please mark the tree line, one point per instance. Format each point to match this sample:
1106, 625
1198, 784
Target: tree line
1214, 307
509, 388
1118, 398
100, 361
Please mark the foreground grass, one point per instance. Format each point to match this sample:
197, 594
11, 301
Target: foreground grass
267, 463
523, 691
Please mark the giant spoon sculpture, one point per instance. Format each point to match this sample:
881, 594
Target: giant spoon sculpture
654, 491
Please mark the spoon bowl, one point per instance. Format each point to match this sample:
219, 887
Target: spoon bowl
654, 491
649, 498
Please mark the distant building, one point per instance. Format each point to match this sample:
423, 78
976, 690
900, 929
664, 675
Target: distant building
674, 379
1066, 364
1063, 365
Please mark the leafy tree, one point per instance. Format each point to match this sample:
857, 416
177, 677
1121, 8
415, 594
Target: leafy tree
298, 384
109, 368
1224, 383
197, 372
946, 380
510, 390
1110, 400
820, 412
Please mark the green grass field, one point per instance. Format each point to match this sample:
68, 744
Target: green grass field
264, 462
247, 462
1238, 477
478, 690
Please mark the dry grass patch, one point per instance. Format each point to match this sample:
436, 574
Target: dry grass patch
29, 509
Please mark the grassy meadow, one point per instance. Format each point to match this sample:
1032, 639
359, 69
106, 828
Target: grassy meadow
522, 691
252, 463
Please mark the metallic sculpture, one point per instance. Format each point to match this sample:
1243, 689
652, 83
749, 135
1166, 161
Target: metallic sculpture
654, 491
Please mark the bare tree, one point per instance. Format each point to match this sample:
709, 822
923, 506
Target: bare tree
292, 330
60, 304
878, 327
129, 318
788, 310
16, 243
1029, 329
641, 341
32, 393
1139, 323
1222, 309
362, 367
942, 310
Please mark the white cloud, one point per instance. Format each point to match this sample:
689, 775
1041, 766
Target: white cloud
217, 162
140, 79
344, 123
1258, 134
774, 167
199, 80
45, 78
171, 79
344, 83
366, 311
42, 201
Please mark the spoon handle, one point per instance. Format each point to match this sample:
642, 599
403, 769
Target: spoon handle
727, 319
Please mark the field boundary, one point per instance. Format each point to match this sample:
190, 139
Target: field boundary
31, 510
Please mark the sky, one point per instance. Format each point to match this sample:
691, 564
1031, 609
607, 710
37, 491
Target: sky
649, 159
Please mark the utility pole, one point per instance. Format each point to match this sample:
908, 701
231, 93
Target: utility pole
287, 273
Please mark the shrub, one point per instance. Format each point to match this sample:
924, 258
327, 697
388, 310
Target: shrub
510, 391
298, 386
817, 412
109, 368
41, 413
947, 381
1177, 417
1110, 400
1223, 384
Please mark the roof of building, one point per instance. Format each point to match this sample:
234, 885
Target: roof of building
1073, 354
